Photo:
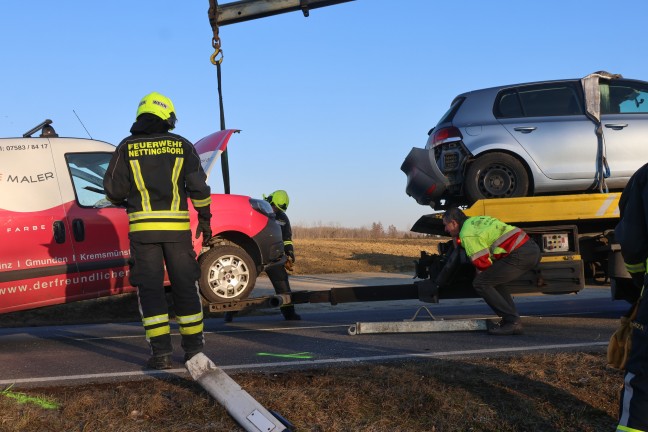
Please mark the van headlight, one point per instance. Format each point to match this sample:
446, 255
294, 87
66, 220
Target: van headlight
262, 206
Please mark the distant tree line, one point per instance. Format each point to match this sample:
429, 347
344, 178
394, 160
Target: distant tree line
375, 231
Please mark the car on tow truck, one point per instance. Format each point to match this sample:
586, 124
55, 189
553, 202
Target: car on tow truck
538, 138
63, 241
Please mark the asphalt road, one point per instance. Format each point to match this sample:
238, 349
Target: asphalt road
263, 341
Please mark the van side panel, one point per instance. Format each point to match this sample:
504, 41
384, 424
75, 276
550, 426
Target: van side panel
37, 264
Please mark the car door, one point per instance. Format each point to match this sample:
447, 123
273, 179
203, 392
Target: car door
548, 120
37, 258
624, 116
99, 229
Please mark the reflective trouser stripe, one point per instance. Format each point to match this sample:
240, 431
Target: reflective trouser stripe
192, 329
190, 324
157, 325
158, 331
157, 319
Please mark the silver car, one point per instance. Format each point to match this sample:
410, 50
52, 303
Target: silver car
552, 137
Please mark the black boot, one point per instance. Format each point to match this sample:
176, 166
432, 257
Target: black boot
289, 313
160, 362
229, 316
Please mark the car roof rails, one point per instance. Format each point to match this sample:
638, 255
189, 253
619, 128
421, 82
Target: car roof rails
46, 129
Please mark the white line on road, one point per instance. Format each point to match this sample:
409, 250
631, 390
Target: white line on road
274, 329
304, 363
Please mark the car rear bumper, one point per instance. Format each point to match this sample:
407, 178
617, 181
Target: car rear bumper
425, 181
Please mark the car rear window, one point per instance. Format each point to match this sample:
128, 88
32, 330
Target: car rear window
454, 107
540, 100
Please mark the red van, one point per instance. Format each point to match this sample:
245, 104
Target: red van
62, 241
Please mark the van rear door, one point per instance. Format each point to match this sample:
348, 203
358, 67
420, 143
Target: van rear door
37, 264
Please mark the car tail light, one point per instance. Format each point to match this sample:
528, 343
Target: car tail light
443, 136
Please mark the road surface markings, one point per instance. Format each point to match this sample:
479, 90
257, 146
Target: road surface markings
309, 363
301, 355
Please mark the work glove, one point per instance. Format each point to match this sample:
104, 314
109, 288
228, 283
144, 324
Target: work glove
291, 255
289, 265
204, 228
620, 341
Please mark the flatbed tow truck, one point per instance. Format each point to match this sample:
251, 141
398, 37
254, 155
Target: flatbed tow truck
575, 234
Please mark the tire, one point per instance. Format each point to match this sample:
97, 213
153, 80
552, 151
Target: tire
226, 273
496, 175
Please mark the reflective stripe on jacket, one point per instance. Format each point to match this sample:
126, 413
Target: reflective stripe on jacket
156, 174
486, 239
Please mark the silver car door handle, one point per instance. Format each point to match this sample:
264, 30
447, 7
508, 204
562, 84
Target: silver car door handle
525, 129
616, 126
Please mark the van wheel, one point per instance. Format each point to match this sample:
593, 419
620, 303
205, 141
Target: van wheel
496, 175
226, 273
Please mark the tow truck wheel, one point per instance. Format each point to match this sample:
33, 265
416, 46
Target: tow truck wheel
496, 175
227, 273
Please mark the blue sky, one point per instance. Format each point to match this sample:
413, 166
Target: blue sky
328, 105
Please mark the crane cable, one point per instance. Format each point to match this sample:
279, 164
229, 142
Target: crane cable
216, 59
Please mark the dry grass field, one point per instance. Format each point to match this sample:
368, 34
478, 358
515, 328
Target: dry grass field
535, 392
321, 256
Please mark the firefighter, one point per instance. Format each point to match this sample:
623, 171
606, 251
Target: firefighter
632, 234
500, 253
152, 173
278, 275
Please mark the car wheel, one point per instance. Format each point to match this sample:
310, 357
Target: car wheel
227, 273
496, 175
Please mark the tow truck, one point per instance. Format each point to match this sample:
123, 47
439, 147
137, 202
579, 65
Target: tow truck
574, 232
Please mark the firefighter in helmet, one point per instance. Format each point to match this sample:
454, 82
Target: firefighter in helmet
632, 234
152, 173
278, 275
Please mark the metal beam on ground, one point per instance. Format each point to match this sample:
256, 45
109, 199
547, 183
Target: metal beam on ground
413, 326
417, 326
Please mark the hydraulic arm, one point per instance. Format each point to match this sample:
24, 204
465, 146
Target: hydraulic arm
246, 10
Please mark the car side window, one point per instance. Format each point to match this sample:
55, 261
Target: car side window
542, 100
623, 97
87, 172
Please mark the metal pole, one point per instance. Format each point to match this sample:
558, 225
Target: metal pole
247, 412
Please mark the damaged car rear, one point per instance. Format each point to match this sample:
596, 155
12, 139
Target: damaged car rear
541, 138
